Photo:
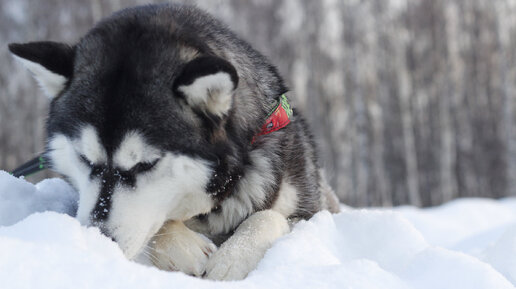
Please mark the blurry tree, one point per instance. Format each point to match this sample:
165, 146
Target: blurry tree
410, 101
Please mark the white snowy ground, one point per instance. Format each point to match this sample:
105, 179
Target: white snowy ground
469, 243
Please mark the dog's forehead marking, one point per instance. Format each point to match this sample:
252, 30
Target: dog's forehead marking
63, 153
90, 146
132, 150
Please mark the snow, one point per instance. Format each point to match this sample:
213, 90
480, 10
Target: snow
19, 198
467, 243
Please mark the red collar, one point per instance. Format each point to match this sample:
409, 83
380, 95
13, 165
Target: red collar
278, 118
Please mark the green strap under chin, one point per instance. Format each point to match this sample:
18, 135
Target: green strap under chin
33, 166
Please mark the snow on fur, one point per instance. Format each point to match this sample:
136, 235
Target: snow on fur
468, 243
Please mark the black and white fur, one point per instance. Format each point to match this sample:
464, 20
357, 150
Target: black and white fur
152, 119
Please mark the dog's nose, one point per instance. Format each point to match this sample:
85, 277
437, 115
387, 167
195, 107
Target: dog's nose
104, 230
112, 238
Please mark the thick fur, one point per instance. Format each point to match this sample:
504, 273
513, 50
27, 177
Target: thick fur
153, 119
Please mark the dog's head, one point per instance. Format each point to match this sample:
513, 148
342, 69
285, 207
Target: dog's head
133, 122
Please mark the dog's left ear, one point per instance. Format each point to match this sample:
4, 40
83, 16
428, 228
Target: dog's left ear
50, 62
208, 83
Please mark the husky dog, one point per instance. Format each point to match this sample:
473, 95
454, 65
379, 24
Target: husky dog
157, 119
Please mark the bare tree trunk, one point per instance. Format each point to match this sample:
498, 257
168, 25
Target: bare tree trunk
410, 101
411, 166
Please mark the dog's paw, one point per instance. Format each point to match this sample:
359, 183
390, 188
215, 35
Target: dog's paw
242, 252
232, 262
177, 248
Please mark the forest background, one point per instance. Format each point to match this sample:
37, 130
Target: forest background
410, 101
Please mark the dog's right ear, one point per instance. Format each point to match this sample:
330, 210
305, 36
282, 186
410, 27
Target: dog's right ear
207, 83
51, 63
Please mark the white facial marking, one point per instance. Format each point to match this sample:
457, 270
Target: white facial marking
66, 161
286, 203
211, 92
89, 145
133, 150
173, 190
51, 83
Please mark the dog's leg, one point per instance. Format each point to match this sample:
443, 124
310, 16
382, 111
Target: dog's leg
240, 254
175, 247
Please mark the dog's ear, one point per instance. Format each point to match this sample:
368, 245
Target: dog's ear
50, 62
208, 83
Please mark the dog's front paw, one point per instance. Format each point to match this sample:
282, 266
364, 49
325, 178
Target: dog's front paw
177, 248
232, 262
242, 252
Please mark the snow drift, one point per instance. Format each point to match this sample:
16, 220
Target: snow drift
468, 243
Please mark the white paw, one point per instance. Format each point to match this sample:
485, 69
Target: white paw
177, 248
241, 253
232, 262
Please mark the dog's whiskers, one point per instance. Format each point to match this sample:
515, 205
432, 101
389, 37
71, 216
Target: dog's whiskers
163, 234
152, 258
150, 255
154, 250
148, 251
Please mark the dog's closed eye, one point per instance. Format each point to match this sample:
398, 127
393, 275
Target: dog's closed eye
96, 170
138, 168
143, 166
86, 161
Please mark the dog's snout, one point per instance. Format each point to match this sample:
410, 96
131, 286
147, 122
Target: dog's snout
109, 174
109, 179
100, 212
